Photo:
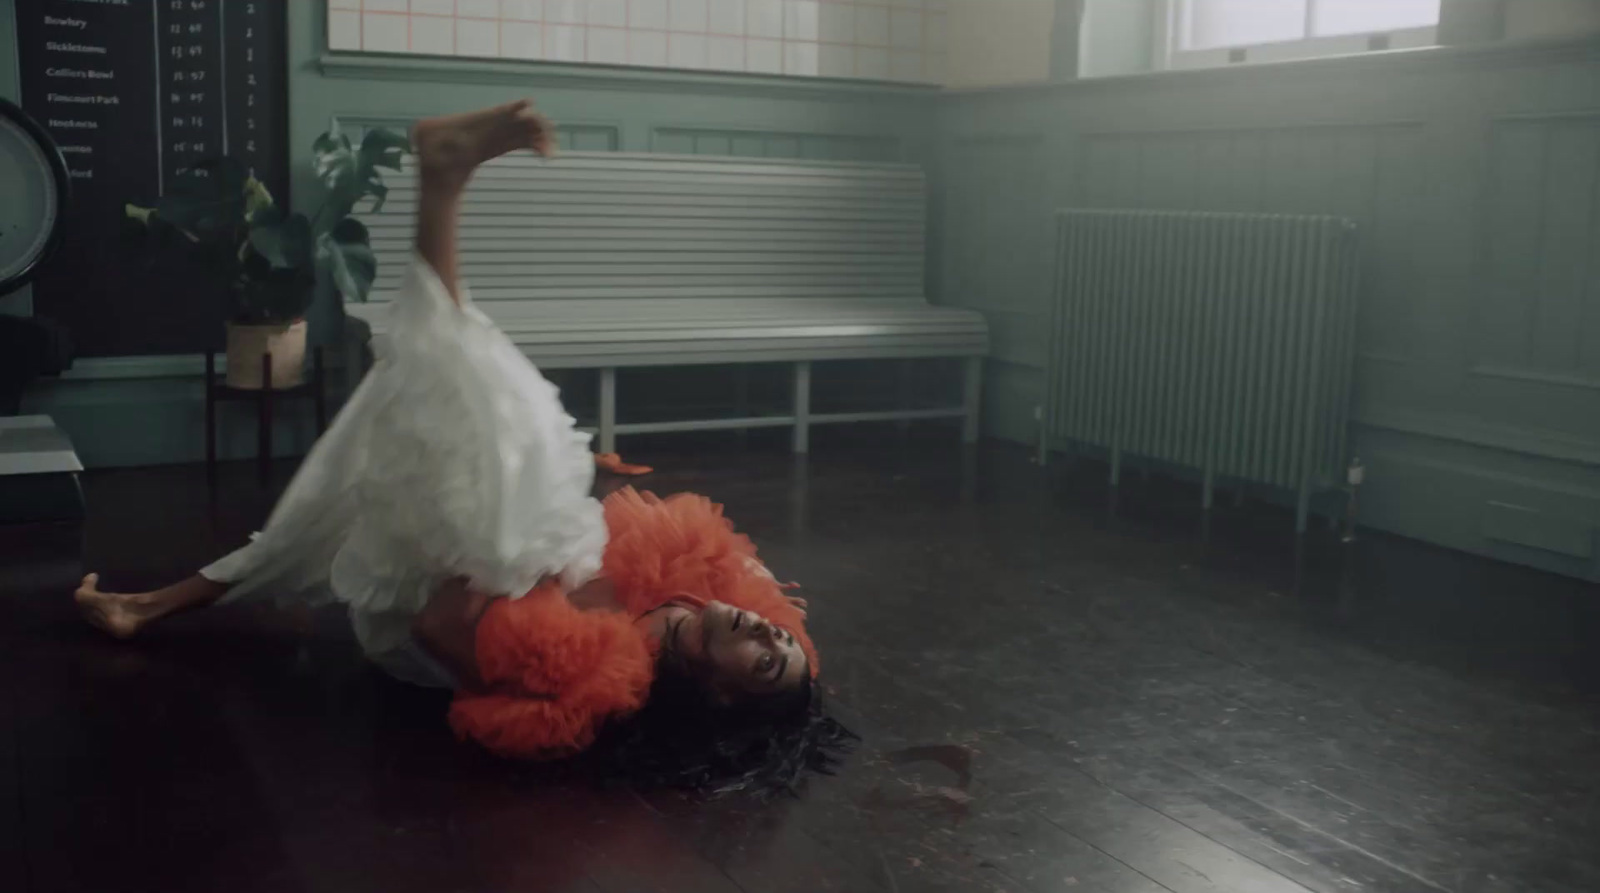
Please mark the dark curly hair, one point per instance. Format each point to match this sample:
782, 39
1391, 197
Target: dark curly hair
763, 746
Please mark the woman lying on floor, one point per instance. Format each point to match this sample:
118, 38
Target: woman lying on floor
449, 506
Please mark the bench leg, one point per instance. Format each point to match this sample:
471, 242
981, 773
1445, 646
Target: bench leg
608, 410
971, 398
907, 388
741, 401
802, 407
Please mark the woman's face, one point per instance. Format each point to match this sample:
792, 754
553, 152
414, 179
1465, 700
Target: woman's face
747, 655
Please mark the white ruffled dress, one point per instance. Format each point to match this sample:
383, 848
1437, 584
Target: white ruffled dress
453, 458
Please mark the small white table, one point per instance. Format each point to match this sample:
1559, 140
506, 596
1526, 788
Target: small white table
34, 453
32, 444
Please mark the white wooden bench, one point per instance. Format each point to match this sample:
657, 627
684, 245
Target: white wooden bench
606, 260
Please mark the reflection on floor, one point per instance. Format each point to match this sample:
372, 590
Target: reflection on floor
1051, 700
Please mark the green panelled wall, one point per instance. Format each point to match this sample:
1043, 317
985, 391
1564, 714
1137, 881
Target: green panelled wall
149, 410
1475, 174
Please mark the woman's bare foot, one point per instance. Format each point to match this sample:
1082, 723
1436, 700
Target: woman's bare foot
453, 145
119, 614
123, 615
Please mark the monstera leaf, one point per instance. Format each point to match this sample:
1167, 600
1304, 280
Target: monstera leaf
159, 243
285, 241
384, 148
346, 255
256, 198
350, 173
268, 262
207, 201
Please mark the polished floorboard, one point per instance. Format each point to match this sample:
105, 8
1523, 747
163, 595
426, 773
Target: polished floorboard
1052, 698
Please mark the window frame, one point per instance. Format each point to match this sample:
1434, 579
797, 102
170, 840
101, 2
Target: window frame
1173, 57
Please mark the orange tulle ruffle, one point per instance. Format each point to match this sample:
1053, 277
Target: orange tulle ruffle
557, 673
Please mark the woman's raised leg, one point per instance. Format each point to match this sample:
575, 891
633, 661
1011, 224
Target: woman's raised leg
123, 614
449, 149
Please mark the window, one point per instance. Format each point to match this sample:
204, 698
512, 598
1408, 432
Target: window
1330, 18
1204, 33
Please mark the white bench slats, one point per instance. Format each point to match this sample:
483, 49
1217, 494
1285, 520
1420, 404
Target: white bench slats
806, 293
701, 311
523, 271
609, 260
491, 274
645, 227
721, 245
566, 177
652, 161
491, 300
704, 210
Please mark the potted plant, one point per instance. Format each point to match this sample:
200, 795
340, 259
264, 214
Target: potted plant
270, 265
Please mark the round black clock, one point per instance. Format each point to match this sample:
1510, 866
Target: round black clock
36, 185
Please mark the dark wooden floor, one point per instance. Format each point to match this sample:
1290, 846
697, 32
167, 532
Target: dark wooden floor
1051, 700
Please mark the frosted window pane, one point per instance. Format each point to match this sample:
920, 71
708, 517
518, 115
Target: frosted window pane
1333, 17
1229, 23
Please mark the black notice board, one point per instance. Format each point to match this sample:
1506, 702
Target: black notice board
134, 91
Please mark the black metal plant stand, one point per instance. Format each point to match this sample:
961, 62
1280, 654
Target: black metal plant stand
264, 397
